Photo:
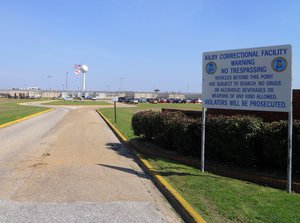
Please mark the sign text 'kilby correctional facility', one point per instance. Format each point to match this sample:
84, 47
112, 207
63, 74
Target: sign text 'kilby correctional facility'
248, 79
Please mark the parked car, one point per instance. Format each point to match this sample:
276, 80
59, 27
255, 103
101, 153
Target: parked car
68, 98
142, 100
196, 101
162, 100
121, 99
178, 100
186, 101
153, 100
96, 98
89, 97
133, 101
170, 100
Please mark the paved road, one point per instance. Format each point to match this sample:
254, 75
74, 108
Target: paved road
67, 166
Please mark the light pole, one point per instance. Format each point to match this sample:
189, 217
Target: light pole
49, 82
121, 78
67, 81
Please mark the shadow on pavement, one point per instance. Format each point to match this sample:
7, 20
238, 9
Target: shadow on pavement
127, 170
143, 175
120, 149
123, 151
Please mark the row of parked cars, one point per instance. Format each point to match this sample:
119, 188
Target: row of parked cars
22, 97
158, 100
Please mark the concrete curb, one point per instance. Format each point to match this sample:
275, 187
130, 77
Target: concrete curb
25, 118
186, 211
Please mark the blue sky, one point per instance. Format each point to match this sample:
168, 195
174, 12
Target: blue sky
149, 43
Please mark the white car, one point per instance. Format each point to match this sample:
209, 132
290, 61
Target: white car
68, 98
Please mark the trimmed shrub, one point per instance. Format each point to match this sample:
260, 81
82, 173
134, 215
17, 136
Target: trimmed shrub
172, 130
144, 123
233, 139
242, 140
170, 126
275, 142
192, 138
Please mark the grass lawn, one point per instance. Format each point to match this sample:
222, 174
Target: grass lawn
221, 199
124, 115
10, 110
86, 102
216, 198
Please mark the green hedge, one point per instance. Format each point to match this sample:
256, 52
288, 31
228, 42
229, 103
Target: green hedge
166, 129
274, 141
242, 140
233, 139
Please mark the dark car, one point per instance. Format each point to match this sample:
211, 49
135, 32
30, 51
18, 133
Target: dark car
153, 100
121, 99
196, 101
186, 101
177, 100
129, 100
170, 100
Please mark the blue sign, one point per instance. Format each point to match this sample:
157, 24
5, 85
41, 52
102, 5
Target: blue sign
279, 64
211, 67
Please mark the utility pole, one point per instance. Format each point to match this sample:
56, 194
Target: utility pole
121, 78
49, 78
67, 81
49, 83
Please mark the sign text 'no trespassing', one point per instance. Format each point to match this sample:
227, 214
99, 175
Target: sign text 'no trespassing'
248, 79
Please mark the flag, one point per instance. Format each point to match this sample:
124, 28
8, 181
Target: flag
77, 71
77, 66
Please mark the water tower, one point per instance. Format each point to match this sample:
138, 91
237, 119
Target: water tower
84, 68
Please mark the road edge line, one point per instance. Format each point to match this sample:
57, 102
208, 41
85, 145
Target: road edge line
169, 191
25, 118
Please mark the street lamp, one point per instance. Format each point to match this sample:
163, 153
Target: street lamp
67, 81
121, 78
49, 76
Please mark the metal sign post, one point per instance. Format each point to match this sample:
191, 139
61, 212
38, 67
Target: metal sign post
290, 149
203, 139
115, 108
115, 100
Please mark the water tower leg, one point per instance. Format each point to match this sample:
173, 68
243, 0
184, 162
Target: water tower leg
83, 83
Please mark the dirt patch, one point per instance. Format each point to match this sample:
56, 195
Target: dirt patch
46, 154
39, 165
